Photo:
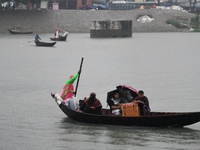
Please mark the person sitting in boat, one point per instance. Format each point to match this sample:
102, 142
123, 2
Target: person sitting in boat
91, 105
37, 38
65, 33
143, 103
114, 103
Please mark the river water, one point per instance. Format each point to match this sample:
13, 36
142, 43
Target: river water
164, 65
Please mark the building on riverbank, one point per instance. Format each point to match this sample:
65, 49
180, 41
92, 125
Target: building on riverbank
92, 4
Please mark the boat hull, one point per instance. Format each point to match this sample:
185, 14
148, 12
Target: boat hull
59, 39
19, 32
45, 44
156, 119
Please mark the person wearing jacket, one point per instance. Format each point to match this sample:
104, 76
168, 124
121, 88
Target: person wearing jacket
37, 38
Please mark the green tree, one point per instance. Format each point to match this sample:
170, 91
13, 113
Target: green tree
195, 22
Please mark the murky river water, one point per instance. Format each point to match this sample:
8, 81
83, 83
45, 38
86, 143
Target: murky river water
164, 65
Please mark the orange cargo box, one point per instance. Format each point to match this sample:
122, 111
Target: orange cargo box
128, 104
130, 109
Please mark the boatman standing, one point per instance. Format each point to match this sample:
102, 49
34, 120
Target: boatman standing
68, 89
68, 92
37, 38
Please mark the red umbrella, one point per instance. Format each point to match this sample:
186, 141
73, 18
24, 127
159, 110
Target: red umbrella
126, 92
128, 87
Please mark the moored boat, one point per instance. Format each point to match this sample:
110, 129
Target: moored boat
61, 38
48, 44
15, 31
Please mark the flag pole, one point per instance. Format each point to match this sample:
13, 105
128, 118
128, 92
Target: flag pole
78, 77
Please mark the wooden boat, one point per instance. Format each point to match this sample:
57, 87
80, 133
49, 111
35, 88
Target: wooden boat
154, 119
48, 44
61, 38
19, 31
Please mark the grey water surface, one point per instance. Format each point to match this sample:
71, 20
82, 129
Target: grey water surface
164, 65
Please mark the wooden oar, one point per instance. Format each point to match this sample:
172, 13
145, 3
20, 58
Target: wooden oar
78, 77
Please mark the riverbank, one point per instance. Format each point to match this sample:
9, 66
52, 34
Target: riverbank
79, 21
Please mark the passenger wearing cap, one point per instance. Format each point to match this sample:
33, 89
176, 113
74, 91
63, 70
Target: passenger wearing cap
143, 103
91, 105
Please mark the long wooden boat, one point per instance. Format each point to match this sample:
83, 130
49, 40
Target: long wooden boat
19, 32
48, 44
155, 119
61, 38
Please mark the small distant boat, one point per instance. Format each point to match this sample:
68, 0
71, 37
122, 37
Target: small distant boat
61, 38
47, 44
15, 31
